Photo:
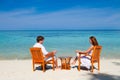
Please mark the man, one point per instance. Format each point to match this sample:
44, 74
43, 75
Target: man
48, 55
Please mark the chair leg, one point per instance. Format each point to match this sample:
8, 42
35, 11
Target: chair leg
78, 64
33, 66
98, 65
53, 65
92, 67
43, 67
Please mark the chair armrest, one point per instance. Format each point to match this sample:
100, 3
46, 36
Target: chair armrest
88, 55
84, 54
81, 53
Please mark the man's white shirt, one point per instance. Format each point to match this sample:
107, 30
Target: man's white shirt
42, 48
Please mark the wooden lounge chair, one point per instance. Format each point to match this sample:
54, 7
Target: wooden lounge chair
95, 58
38, 58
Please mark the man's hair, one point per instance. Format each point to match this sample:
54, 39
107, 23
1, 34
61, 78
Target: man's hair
39, 38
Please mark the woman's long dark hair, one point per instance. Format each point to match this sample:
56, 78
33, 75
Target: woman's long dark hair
94, 41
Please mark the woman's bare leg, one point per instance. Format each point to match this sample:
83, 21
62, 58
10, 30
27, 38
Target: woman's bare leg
73, 63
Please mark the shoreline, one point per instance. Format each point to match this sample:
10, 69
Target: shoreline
22, 70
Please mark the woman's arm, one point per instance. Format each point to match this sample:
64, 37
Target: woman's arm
85, 52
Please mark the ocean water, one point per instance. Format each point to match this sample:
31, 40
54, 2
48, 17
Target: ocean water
15, 44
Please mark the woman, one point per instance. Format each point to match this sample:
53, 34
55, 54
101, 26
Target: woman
85, 60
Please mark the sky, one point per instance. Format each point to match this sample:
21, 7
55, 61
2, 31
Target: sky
59, 14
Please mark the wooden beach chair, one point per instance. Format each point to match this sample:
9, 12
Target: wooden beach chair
95, 58
38, 58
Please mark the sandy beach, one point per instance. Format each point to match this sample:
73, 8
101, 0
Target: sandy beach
22, 70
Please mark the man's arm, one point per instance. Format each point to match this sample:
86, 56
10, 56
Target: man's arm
50, 54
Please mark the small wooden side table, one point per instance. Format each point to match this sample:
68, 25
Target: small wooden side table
65, 62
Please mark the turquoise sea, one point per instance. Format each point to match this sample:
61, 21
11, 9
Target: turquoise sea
15, 44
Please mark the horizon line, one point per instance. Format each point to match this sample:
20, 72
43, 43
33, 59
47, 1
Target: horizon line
59, 29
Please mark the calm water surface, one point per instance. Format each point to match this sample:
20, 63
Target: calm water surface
15, 44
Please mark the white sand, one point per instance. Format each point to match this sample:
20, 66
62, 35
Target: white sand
22, 70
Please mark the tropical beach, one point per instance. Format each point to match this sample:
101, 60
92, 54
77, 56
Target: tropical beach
20, 66
67, 27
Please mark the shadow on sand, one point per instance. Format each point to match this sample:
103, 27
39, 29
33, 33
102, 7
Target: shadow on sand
103, 76
83, 68
100, 76
46, 68
116, 63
